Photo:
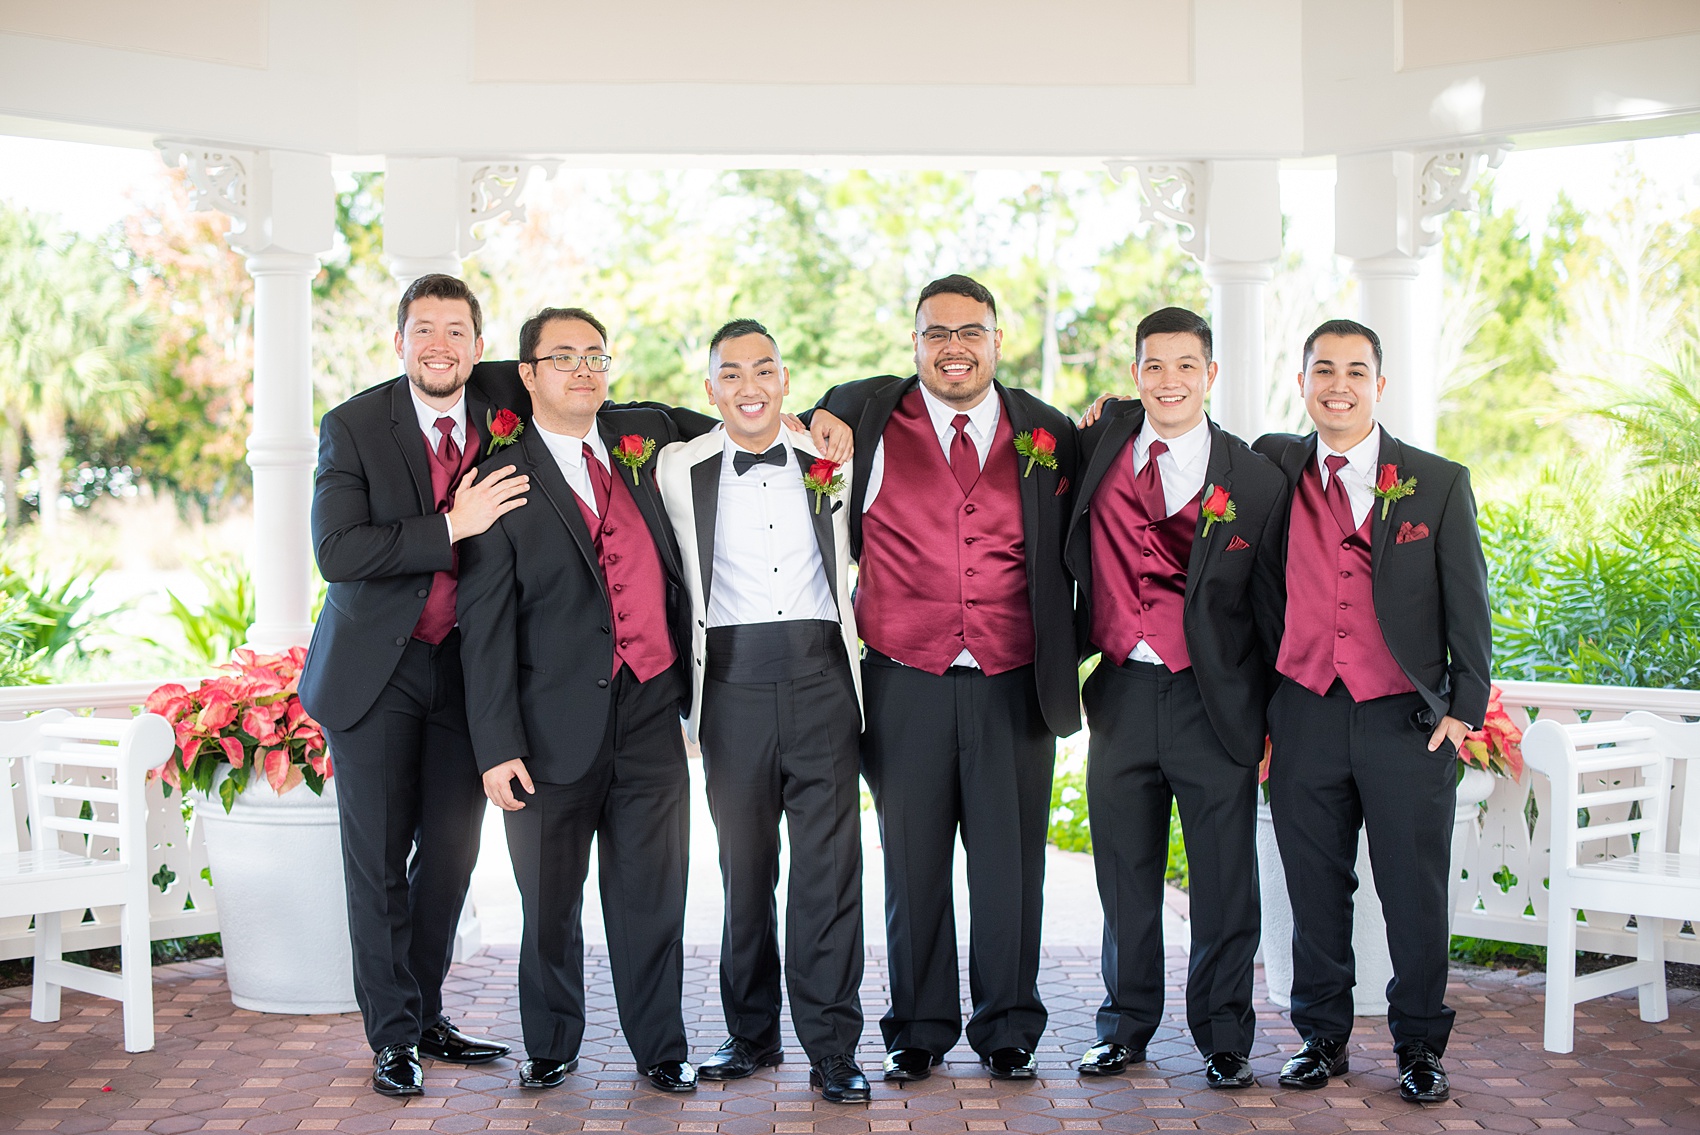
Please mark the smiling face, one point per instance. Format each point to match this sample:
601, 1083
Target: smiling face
956, 373
1341, 386
748, 382
1173, 376
566, 402
437, 347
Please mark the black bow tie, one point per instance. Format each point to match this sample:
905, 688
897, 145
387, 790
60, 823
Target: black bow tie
743, 460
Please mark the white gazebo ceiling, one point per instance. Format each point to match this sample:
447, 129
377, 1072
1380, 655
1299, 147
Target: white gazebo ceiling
999, 82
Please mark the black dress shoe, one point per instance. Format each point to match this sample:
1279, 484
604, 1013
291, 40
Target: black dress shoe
910, 1063
442, 1041
541, 1072
396, 1071
738, 1058
840, 1080
1107, 1058
1421, 1078
1011, 1064
673, 1076
1311, 1065
1228, 1070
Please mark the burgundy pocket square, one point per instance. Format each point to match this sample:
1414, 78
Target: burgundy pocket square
1062, 486
1236, 544
1409, 532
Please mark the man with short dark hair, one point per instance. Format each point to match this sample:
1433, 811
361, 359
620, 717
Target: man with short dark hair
394, 494
775, 704
957, 508
1176, 543
1384, 664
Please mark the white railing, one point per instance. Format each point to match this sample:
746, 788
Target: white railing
180, 903
1504, 894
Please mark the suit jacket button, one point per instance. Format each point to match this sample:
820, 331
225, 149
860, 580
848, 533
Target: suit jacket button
602, 683
401, 640
424, 592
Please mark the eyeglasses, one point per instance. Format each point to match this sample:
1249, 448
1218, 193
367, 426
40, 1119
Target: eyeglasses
569, 363
971, 336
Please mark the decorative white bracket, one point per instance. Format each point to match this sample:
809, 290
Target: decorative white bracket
490, 190
1177, 192
218, 179
1446, 182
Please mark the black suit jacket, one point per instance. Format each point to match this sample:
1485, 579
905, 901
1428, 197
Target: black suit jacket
378, 541
1046, 497
1234, 602
1431, 595
535, 620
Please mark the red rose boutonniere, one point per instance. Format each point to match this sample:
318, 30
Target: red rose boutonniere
1218, 507
1389, 488
504, 428
824, 480
632, 451
1039, 446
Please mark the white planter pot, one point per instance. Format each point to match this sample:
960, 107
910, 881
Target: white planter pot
1373, 963
276, 864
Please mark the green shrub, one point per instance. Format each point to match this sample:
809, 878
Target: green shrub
1070, 824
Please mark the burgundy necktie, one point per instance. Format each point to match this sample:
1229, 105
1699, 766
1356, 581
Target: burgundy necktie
1335, 494
964, 461
600, 482
447, 449
1149, 484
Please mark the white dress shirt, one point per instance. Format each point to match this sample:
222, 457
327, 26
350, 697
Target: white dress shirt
982, 424
428, 416
1182, 469
767, 563
568, 452
1357, 475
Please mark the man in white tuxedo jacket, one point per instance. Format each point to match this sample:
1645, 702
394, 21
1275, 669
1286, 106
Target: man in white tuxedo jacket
776, 707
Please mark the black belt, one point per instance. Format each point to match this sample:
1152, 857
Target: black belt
753, 653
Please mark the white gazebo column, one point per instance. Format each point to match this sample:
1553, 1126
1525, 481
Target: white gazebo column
283, 206
1232, 210
1387, 210
432, 207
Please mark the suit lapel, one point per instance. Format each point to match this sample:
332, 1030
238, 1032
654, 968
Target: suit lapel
479, 411
1029, 485
1391, 453
1117, 431
822, 521
411, 442
869, 430
646, 496
705, 503
547, 479
1218, 470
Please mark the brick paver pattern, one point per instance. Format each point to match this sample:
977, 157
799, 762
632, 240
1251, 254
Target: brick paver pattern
218, 1068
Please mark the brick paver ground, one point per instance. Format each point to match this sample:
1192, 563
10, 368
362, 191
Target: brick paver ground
218, 1068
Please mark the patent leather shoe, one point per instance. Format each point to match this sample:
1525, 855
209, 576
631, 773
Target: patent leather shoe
1421, 1078
738, 1058
840, 1080
396, 1071
442, 1041
910, 1063
1107, 1058
1228, 1070
1312, 1065
1011, 1064
541, 1072
673, 1076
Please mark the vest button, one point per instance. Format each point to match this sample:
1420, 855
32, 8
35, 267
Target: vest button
401, 641
968, 539
1339, 634
1345, 575
624, 643
608, 530
602, 683
1146, 552
614, 557
619, 587
967, 508
1145, 606
1343, 607
626, 614
970, 571
970, 603
1347, 544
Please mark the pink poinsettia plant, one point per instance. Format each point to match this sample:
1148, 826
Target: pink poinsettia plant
1498, 745
250, 719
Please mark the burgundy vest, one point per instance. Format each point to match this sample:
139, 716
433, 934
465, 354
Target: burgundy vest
942, 570
438, 617
1138, 570
1331, 628
637, 586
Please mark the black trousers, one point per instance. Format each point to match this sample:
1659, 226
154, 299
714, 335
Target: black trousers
635, 801
407, 784
788, 749
1151, 743
1339, 765
960, 751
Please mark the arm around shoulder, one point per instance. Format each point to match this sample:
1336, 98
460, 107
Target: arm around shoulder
347, 543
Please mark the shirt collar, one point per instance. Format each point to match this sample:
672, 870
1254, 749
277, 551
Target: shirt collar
730, 447
982, 419
1185, 449
428, 416
570, 449
1360, 459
